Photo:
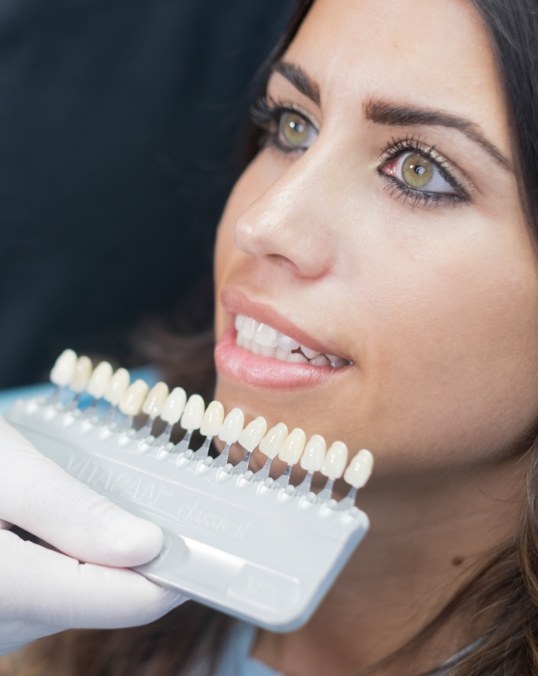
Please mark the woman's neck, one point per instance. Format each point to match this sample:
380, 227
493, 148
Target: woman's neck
428, 537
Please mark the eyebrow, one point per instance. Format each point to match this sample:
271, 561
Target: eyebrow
382, 112
385, 113
299, 79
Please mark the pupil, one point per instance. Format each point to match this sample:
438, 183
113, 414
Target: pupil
417, 171
294, 129
296, 126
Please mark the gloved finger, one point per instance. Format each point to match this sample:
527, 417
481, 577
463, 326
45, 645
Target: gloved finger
41, 498
39, 586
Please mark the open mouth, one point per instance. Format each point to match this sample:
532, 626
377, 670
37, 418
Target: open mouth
263, 339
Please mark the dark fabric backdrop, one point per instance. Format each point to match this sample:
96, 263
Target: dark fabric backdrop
120, 122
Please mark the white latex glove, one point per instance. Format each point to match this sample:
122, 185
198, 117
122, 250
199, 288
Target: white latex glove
43, 591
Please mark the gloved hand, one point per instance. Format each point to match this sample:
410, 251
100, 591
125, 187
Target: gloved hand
43, 591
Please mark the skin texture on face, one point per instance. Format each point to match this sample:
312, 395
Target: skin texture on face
435, 304
432, 298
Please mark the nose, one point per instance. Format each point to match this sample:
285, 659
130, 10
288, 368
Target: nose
288, 223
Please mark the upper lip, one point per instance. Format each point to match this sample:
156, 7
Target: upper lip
236, 302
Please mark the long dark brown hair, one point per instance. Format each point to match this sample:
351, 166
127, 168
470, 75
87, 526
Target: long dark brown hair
507, 583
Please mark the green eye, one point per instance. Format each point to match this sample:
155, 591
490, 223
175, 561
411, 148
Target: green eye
294, 131
417, 171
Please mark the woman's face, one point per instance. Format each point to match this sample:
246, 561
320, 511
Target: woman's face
381, 225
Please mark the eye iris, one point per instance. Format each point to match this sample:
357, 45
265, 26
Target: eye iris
417, 171
293, 129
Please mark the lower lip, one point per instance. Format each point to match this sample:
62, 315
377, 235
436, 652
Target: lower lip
239, 365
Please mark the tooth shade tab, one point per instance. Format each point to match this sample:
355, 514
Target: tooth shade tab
335, 461
81, 374
131, 402
314, 453
293, 446
154, 402
193, 413
228, 521
273, 440
174, 406
212, 420
253, 433
99, 380
117, 386
232, 426
360, 469
63, 369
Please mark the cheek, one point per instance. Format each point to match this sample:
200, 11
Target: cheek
460, 362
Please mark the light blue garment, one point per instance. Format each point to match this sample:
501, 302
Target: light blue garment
235, 657
236, 661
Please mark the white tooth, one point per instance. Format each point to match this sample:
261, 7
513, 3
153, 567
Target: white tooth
193, 413
232, 426
155, 400
239, 322
253, 433
240, 340
268, 351
212, 420
297, 357
117, 386
335, 461
339, 363
273, 440
133, 398
266, 335
314, 453
99, 380
336, 362
255, 348
293, 446
320, 360
360, 468
308, 353
63, 368
287, 343
173, 406
249, 328
282, 354
81, 374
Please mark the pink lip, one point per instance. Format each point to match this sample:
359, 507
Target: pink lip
243, 366
239, 365
236, 303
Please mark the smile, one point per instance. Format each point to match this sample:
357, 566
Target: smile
266, 341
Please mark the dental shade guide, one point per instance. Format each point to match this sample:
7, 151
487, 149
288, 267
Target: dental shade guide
255, 547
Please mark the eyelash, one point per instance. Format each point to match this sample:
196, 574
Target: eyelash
266, 114
397, 147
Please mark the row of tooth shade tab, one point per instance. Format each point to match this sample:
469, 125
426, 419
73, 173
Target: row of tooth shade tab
102, 383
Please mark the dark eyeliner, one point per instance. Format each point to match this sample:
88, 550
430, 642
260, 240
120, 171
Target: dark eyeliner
266, 114
397, 147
